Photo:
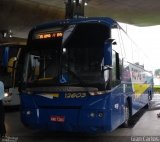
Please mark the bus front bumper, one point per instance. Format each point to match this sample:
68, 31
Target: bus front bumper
72, 120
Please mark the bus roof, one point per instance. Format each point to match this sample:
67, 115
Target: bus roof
105, 20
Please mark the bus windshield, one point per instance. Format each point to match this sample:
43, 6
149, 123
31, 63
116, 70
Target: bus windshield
75, 59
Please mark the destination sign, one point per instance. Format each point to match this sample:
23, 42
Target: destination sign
48, 35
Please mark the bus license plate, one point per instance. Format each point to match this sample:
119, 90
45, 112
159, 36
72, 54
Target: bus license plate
57, 118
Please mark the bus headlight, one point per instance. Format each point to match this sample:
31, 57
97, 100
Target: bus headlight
28, 112
92, 114
96, 114
97, 93
100, 114
6, 94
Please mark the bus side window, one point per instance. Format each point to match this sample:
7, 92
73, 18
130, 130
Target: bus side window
35, 64
116, 69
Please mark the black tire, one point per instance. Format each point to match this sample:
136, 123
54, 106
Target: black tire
126, 123
149, 100
150, 96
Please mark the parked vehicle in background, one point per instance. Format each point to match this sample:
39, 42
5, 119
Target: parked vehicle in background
9, 56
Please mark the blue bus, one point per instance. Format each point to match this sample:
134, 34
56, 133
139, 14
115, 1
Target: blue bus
82, 75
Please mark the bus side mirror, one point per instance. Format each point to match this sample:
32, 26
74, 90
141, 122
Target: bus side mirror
117, 67
107, 76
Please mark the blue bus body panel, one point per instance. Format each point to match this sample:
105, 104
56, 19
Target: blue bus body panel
108, 21
76, 113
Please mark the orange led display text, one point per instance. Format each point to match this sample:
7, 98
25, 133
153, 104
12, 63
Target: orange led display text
49, 35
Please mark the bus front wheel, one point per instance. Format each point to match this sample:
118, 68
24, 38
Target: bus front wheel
127, 116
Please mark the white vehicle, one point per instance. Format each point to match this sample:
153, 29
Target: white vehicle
9, 55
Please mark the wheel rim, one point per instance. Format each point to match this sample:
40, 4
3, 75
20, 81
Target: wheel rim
126, 114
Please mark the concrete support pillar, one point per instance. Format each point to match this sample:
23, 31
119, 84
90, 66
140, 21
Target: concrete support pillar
74, 9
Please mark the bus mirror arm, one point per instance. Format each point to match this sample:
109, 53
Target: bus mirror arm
107, 74
107, 67
110, 40
19, 88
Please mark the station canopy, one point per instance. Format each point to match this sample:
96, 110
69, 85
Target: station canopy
19, 16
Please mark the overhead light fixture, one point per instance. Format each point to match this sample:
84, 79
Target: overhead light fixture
10, 33
5, 34
85, 3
